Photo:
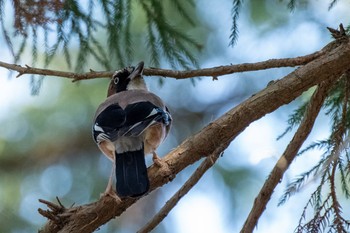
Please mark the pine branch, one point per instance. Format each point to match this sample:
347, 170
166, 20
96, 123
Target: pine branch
211, 72
178, 5
287, 157
332, 4
343, 178
321, 144
236, 8
291, 5
322, 217
173, 43
337, 145
294, 119
222, 131
298, 183
335, 204
74, 21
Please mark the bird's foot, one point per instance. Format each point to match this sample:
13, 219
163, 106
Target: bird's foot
111, 193
163, 166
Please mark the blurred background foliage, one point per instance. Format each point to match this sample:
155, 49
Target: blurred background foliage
46, 147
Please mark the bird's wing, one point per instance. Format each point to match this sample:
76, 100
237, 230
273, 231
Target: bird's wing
113, 121
108, 123
140, 116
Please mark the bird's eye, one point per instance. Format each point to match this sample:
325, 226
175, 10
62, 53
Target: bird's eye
116, 81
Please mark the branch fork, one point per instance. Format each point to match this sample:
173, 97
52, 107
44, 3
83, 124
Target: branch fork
57, 213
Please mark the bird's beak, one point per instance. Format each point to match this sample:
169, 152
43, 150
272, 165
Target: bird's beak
137, 71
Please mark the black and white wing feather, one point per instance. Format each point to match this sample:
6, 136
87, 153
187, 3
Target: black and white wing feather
114, 122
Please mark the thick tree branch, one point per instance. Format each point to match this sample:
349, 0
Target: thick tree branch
212, 72
329, 66
287, 157
172, 202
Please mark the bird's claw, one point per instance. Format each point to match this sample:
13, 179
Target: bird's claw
111, 193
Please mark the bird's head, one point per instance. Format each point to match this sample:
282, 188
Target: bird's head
129, 78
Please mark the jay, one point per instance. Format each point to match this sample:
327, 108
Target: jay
129, 124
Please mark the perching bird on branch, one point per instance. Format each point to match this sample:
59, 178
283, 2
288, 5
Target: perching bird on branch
129, 124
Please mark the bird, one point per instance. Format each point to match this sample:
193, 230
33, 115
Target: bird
131, 123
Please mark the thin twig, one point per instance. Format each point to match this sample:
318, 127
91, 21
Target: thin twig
287, 157
55, 211
211, 72
172, 202
337, 34
335, 204
339, 146
53, 206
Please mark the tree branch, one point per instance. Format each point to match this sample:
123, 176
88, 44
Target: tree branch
329, 66
211, 72
287, 157
172, 202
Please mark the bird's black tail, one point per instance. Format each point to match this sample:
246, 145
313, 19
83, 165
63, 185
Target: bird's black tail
131, 174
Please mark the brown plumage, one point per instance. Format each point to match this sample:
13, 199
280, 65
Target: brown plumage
129, 124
